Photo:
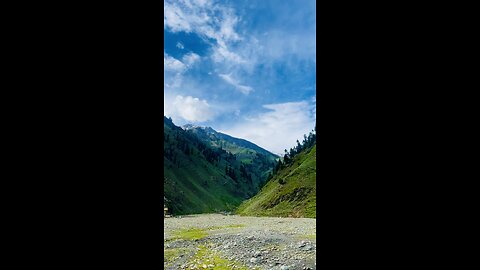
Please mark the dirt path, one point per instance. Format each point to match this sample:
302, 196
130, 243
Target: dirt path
213, 241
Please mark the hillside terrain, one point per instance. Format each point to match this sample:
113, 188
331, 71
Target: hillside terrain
291, 192
201, 177
256, 160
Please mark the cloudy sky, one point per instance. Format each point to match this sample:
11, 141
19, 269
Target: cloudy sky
244, 68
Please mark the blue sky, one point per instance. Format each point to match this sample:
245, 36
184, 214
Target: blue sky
244, 68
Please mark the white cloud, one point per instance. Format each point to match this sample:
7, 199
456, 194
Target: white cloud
188, 109
239, 52
172, 64
314, 106
210, 21
190, 59
174, 68
180, 46
279, 128
202, 17
242, 88
227, 31
222, 54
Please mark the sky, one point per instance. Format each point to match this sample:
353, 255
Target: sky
244, 68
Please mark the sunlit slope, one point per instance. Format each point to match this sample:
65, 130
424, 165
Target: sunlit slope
291, 191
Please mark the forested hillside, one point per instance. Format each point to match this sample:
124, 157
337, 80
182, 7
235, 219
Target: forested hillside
254, 159
291, 190
201, 178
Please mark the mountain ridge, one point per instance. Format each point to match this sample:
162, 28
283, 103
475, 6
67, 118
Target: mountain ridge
201, 177
256, 160
239, 141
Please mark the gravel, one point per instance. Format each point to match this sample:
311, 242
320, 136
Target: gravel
263, 242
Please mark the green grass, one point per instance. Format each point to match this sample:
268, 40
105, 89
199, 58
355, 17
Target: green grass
296, 197
193, 185
189, 234
227, 226
198, 233
206, 256
309, 236
170, 255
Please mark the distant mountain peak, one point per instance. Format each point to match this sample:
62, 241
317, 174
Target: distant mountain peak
209, 129
191, 126
219, 136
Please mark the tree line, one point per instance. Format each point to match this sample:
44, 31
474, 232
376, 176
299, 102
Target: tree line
308, 142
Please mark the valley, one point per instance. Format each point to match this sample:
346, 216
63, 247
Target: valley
239, 135
206, 171
273, 198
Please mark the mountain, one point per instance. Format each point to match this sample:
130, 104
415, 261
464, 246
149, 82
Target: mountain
291, 191
256, 160
200, 177
229, 143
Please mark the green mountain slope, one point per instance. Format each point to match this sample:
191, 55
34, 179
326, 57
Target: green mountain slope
231, 144
200, 178
256, 160
291, 191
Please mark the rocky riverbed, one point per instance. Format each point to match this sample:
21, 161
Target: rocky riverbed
214, 241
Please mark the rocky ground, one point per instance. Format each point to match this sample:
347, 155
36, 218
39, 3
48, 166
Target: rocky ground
214, 241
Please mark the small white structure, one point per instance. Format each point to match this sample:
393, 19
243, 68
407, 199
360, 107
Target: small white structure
165, 212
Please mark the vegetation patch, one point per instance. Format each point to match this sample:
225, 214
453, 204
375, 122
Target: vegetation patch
291, 192
198, 233
190, 234
309, 236
170, 255
227, 226
193, 234
205, 258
